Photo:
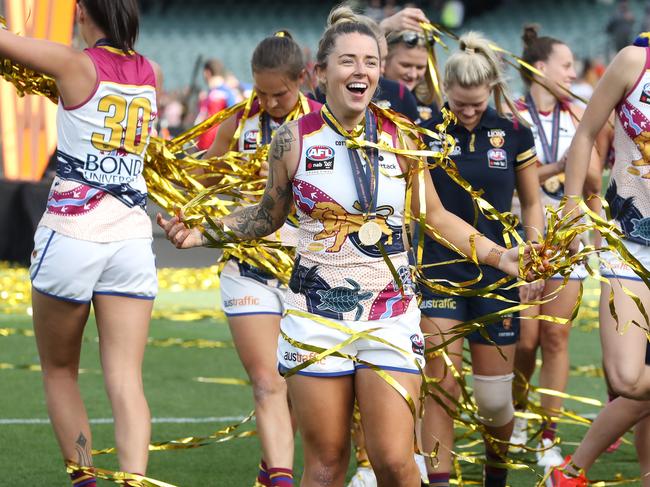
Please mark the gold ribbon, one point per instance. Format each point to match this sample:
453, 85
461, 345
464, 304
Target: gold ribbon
123, 478
25, 80
189, 442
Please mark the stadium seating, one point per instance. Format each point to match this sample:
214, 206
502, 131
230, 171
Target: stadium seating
176, 37
189, 28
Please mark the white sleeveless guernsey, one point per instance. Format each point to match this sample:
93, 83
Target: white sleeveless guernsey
334, 274
628, 194
250, 139
551, 190
99, 193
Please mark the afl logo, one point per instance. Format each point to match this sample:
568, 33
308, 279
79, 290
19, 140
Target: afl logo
497, 159
319, 157
417, 344
250, 140
645, 94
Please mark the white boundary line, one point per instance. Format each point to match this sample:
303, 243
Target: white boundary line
209, 419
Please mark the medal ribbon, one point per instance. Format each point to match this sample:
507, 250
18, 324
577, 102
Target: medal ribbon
550, 150
266, 132
364, 178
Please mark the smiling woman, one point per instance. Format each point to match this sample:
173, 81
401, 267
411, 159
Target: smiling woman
351, 218
547, 107
406, 62
93, 243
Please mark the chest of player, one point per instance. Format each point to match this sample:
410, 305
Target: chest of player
485, 157
256, 130
563, 130
326, 168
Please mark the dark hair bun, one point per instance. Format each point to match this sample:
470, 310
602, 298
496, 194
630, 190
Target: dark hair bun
530, 34
643, 40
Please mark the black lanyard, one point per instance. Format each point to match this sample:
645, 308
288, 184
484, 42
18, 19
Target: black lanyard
266, 132
550, 150
364, 177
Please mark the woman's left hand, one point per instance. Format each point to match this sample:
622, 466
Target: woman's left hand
509, 262
264, 169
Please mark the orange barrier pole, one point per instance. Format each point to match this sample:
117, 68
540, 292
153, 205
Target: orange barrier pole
28, 125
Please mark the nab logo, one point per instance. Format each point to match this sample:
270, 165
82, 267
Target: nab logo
250, 140
497, 159
645, 95
319, 157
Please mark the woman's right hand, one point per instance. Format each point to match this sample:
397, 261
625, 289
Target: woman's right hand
178, 233
408, 18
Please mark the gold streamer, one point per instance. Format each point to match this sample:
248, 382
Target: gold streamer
228, 381
37, 368
123, 478
25, 80
220, 436
168, 175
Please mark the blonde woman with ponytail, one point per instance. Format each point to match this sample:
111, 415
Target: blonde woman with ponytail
495, 153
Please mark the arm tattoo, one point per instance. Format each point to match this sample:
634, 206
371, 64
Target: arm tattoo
270, 213
494, 257
281, 142
84, 458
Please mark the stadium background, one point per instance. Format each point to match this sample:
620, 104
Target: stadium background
175, 34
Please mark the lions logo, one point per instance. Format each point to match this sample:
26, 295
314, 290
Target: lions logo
507, 322
339, 224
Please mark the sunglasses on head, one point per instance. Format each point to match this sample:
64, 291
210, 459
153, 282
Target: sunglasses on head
408, 37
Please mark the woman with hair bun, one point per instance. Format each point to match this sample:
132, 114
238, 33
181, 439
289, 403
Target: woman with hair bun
390, 93
93, 243
252, 299
495, 154
547, 107
624, 89
341, 284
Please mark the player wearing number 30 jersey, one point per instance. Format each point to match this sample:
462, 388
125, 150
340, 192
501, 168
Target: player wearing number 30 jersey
99, 194
94, 240
101, 145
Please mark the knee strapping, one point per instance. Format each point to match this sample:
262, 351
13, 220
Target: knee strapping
493, 395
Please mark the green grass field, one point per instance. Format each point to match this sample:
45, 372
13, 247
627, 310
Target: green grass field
30, 454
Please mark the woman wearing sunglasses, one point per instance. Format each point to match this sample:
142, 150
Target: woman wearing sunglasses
407, 63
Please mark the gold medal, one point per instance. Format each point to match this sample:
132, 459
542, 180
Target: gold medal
552, 184
370, 233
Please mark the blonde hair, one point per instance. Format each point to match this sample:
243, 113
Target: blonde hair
477, 64
424, 91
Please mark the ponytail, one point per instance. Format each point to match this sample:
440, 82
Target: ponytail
119, 20
536, 49
477, 64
